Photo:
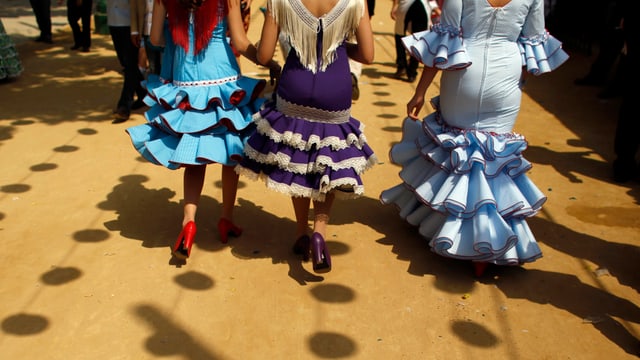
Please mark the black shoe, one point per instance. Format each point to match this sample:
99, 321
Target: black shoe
44, 39
75, 47
400, 73
411, 78
85, 49
355, 91
138, 104
121, 115
625, 170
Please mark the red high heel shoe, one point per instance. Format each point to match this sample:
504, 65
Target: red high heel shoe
479, 267
182, 247
302, 247
226, 228
321, 257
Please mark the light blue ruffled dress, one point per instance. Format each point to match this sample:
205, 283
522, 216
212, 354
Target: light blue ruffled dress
464, 181
201, 107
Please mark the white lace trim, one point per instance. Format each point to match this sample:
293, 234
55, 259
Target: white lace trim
311, 113
295, 139
205, 82
359, 164
343, 188
301, 29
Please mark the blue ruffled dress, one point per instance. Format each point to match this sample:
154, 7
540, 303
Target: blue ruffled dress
464, 181
201, 107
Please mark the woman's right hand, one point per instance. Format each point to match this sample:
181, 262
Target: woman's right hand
414, 106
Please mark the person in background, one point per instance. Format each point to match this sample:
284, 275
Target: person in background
606, 70
119, 21
42, 11
413, 16
80, 10
141, 14
10, 65
626, 142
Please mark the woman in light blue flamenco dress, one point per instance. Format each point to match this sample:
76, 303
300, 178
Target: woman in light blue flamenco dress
464, 181
201, 107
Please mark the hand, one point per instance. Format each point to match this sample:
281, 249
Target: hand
274, 72
414, 106
135, 39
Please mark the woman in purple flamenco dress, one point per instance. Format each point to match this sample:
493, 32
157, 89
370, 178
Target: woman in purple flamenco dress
307, 145
464, 181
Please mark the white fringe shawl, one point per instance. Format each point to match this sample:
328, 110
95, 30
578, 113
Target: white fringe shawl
301, 28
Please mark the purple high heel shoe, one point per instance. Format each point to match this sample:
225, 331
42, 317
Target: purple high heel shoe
321, 257
302, 247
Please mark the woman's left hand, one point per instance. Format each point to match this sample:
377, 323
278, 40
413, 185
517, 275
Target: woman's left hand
274, 72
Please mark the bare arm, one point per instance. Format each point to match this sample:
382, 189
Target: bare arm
157, 24
241, 42
268, 39
417, 101
362, 51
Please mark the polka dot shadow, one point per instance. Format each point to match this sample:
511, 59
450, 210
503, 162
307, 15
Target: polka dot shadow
24, 324
331, 345
194, 280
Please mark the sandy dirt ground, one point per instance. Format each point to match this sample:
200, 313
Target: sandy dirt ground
87, 227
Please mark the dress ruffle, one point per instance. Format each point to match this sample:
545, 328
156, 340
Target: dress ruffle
305, 158
10, 65
197, 125
441, 47
542, 53
467, 191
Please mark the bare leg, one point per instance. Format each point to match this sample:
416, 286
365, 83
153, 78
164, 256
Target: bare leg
319, 251
229, 190
193, 183
301, 209
321, 212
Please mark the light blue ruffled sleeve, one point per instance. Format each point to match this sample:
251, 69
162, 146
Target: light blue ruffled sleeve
540, 51
441, 47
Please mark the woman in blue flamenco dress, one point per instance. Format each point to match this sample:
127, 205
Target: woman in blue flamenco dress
464, 181
201, 107
307, 145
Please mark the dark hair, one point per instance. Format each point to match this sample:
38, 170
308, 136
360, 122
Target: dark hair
191, 4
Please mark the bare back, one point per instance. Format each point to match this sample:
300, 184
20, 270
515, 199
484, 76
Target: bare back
319, 8
498, 3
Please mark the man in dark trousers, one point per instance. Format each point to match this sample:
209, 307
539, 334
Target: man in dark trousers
80, 10
119, 20
627, 142
42, 11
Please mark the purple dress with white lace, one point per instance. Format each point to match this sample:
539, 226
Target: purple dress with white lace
306, 143
464, 181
